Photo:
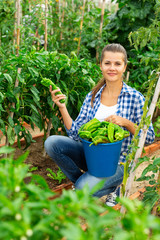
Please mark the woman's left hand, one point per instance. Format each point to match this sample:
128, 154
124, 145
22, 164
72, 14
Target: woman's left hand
116, 119
123, 122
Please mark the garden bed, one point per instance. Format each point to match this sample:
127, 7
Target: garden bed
41, 162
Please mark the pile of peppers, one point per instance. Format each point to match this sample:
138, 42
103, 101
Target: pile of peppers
102, 132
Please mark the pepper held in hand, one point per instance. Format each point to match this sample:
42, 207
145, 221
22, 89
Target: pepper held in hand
47, 82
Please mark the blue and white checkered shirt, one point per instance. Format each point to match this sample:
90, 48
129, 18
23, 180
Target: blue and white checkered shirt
130, 106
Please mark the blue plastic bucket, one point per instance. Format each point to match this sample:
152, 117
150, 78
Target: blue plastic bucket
102, 160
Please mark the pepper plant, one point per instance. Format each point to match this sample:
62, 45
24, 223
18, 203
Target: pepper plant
59, 175
151, 195
33, 103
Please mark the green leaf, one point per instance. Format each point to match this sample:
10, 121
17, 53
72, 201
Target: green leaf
17, 129
22, 158
6, 202
1, 97
35, 93
2, 126
6, 149
150, 168
36, 118
8, 77
157, 161
41, 59
40, 180
21, 79
11, 122
10, 135
33, 72
143, 178
84, 71
28, 138
34, 109
152, 182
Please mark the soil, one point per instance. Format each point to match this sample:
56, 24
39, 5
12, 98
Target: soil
39, 160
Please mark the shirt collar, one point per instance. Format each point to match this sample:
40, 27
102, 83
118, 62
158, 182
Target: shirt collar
125, 89
100, 91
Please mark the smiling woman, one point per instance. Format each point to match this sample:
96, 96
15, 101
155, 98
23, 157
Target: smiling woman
126, 108
113, 66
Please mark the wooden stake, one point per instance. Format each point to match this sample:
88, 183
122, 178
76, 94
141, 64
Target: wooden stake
59, 13
37, 36
62, 20
81, 26
72, 4
127, 77
29, 5
141, 142
100, 30
18, 25
99, 4
15, 24
46, 15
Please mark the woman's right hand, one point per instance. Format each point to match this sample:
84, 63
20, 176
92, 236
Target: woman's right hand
56, 98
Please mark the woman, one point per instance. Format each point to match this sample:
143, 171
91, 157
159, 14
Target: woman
110, 100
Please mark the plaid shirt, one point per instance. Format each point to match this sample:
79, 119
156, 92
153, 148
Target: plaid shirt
130, 106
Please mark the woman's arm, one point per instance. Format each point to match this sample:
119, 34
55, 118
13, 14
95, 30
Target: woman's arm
66, 117
70, 125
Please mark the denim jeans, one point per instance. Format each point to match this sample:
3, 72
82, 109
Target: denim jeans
69, 156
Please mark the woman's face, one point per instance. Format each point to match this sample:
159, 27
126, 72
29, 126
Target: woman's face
113, 66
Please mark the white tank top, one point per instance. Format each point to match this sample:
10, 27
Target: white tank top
104, 112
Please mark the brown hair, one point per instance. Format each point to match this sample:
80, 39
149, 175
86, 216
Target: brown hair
113, 47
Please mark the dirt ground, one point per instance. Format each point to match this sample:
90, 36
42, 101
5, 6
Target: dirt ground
41, 161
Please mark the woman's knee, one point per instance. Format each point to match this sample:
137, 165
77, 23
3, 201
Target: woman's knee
48, 143
87, 179
51, 143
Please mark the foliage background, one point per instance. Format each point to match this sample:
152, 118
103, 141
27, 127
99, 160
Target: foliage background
74, 72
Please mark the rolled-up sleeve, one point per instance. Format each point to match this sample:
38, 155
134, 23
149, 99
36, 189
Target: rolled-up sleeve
82, 118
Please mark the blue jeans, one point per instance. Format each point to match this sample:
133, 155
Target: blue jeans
69, 156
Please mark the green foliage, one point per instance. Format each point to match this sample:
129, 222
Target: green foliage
7, 10
141, 66
148, 38
151, 195
59, 175
130, 16
33, 103
156, 126
91, 38
27, 211
137, 223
